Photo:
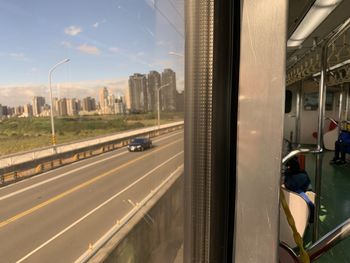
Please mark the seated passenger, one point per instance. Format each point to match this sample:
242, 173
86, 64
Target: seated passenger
296, 179
342, 146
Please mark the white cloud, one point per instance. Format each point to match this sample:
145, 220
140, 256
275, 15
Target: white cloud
140, 54
149, 31
98, 23
164, 43
92, 50
66, 44
20, 95
15, 56
163, 63
73, 30
114, 49
175, 54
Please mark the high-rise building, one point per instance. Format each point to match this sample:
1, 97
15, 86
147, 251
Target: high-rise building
38, 103
4, 111
119, 106
138, 93
28, 110
111, 102
154, 82
45, 110
11, 111
169, 92
89, 104
78, 104
62, 107
19, 110
55, 106
72, 107
103, 100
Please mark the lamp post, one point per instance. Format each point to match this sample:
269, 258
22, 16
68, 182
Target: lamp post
158, 99
51, 111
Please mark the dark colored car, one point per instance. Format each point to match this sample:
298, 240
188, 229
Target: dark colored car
139, 144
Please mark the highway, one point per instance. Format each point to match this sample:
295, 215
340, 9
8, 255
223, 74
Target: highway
53, 217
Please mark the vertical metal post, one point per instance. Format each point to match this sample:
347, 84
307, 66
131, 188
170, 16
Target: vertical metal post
51, 111
340, 112
318, 186
322, 98
297, 113
319, 159
158, 108
53, 138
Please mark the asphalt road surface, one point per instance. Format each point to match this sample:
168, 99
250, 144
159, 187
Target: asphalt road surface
53, 217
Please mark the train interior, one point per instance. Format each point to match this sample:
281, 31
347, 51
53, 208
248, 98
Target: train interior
316, 57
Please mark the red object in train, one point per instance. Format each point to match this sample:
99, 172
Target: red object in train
301, 160
331, 127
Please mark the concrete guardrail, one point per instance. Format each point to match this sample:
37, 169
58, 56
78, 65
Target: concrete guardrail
152, 232
16, 167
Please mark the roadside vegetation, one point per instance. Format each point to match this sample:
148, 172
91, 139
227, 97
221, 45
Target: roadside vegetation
22, 134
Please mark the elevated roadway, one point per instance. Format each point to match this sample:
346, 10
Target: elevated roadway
55, 216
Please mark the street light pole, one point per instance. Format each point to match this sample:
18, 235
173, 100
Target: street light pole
158, 99
51, 111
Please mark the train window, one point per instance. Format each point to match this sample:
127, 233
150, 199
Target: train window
288, 102
152, 130
311, 101
92, 110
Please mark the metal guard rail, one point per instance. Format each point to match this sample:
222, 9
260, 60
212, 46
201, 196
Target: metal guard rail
294, 153
328, 241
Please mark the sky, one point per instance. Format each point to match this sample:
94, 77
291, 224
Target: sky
105, 40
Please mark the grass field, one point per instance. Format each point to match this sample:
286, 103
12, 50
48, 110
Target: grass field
21, 134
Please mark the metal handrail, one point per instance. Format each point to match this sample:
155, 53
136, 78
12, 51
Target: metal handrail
328, 241
294, 153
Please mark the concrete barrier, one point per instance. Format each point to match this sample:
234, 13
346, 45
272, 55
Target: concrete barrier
23, 165
22, 157
154, 234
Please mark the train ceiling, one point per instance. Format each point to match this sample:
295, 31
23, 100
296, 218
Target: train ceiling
304, 61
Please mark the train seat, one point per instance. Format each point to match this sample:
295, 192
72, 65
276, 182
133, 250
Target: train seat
329, 136
301, 213
329, 139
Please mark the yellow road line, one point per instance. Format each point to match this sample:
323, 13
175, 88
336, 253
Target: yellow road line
78, 187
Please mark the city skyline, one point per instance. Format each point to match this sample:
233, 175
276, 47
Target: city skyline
139, 96
100, 47
19, 95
